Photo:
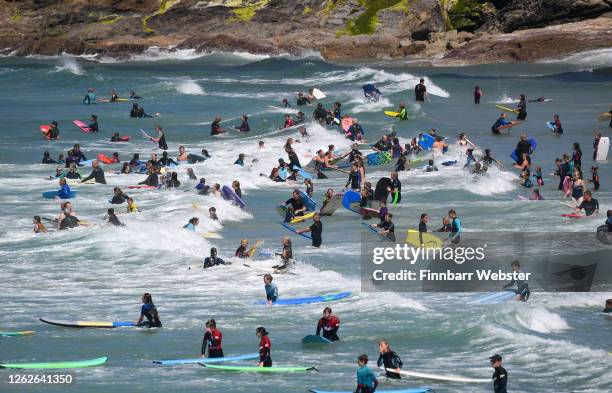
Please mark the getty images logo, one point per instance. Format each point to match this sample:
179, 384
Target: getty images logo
408, 253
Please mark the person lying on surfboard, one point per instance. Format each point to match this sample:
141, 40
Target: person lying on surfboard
329, 325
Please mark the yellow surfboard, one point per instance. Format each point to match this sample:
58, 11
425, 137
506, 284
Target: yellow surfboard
506, 109
429, 240
258, 244
604, 116
306, 216
392, 113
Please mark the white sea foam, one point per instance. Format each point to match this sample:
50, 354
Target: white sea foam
69, 64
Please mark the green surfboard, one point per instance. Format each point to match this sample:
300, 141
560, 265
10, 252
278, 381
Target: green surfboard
55, 365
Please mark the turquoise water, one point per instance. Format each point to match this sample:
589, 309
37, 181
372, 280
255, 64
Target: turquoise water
555, 342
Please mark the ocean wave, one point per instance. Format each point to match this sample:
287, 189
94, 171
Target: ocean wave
69, 64
590, 59
504, 99
189, 87
541, 320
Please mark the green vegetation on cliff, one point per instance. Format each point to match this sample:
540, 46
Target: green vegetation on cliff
468, 15
367, 21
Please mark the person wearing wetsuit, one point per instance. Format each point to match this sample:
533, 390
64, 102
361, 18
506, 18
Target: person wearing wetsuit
522, 108
501, 121
455, 227
329, 324
389, 360
54, 131
589, 204
112, 218
557, 127
244, 126
302, 100
523, 147
297, 207
77, 154
151, 180
47, 158
420, 91
384, 144
595, 177
212, 340
118, 196
69, 220
596, 142
520, 287
337, 112
319, 114
577, 156
96, 173
395, 188
165, 160
383, 187
270, 288
73, 173
366, 379
93, 124
90, 97
316, 230
500, 375
161, 138
355, 131
215, 127
387, 227
371, 92
265, 347
608, 308
354, 178
148, 311
213, 259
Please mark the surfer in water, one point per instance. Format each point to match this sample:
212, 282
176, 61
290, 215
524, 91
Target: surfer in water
271, 289
477, 95
96, 173
211, 343
213, 259
501, 122
329, 324
520, 287
286, 256
161, 138
522, 108
370, 92
420, 91
265, 347
192, 224
500, 375
589, 205
215, 127
455, 227
387, 227
244, 126
389, 360
316, 230
243, 251
296, 207
608, 307
39, 227
112, 218
148, 311
366, 379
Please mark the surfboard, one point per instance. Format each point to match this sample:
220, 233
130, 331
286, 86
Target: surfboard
566, 184
255, 369
368, 212
308, 202
376, 159
573, 215
141, 187
124, 138
230, 194
439, 377
318, 94
211, 235
57, 365
307, 300
376, 231
506, 109
305, 217
105, 159
332, 205
88, 324
492, 298
449, 163
294, 230
550, 125
429, 240
604, 116
302, 172
87, 162
173, 362
44, 129
116, 100
426, 142
82, 126
602, 149
414, 390
346, 123
351, 200
312, 339
534, 145
55, 194
392, 113
17, 334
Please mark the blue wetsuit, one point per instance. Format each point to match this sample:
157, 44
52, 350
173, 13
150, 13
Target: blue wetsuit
366, 380
271, 292
64, 192
190, 227
455, 230
149, 311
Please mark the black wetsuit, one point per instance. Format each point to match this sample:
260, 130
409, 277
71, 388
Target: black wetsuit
391, 361
115, 221
521, 148
162, 142
589, 207
73, 175
522, 288
522, 108
165, 161
118, 199
296, 204
381, 192
419, 92
500, 380
294, 161
354, 154
69, 222
396, 185
353, 180
97, 174
151, 180
149, 311
303, 101
316, 231
213, 261
319, 114
388, 226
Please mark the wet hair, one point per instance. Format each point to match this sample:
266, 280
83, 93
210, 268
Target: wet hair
268, 277
363, 358
327, 309
148, 299
194, 220
37, 219
423, 215
261, 330
110, 211
213, 250
211, 323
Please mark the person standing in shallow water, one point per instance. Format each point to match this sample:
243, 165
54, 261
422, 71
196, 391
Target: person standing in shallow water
477, 95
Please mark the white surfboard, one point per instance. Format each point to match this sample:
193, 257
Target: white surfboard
436, 377
602, 149
318, 94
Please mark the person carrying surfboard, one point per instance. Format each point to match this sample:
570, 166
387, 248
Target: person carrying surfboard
316, 230
295, 205
265, 347
211, 343
501, 122
389, 360
270, 288
329, 324
366, 379
500, 375
149, 311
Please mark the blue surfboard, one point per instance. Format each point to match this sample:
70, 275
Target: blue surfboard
302, 172
534, 144
492, 298
349, 198
308, 300
53, 194
172, 362
426, 142
294, 230
415, 390
312, 339
230, 194
308, 202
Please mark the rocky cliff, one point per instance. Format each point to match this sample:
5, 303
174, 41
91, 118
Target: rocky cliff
450, 31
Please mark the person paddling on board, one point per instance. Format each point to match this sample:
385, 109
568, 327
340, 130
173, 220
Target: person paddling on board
149, 311
39, 227
296, 207
370, 92
96, 173
271, 289
112, 218
211, 343
213, 259
192, 224
316, 230
389, 360
93, 124
215, 127
500, 375
73, 173
265, 347
387, 227
366, 379
319, 114
423, 228
329, 324
501, 121
165, 160
90, 97
589, 205
420, 91
520, 287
